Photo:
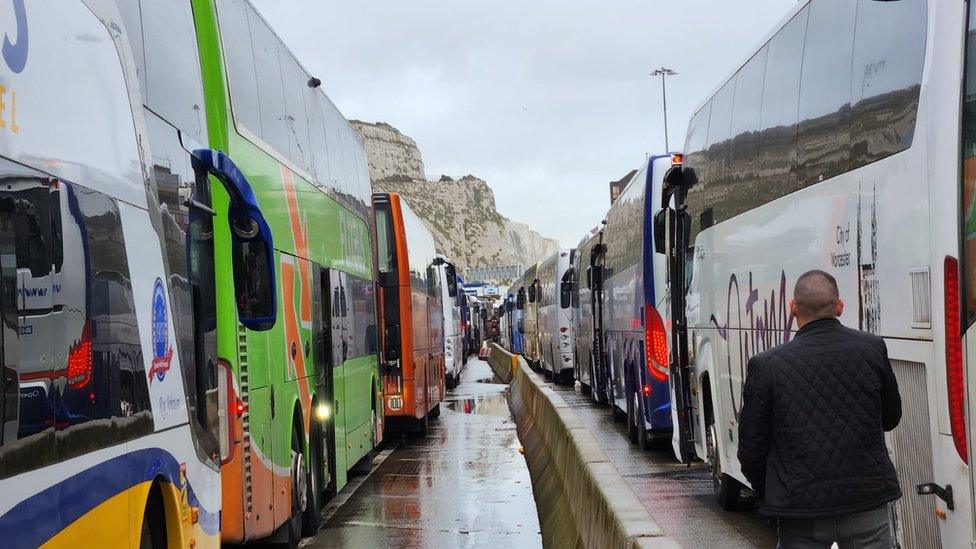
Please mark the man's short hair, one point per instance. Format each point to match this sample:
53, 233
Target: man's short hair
816, 295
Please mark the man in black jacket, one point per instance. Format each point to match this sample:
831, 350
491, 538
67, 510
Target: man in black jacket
811, 429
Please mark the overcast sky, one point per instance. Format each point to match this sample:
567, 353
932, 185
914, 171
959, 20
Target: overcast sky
547, 100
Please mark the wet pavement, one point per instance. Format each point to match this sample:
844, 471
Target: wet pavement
679, 497
464, 485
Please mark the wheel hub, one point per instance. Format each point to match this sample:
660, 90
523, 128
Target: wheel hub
299, 482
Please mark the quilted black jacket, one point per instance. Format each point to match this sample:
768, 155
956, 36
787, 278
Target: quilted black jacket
811, 429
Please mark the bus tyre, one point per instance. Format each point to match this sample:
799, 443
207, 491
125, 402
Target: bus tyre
594, 385
434, 412
618, 415
644, 439
632, 418
728, 491
566, 377
153, 521
315, 488
299, 490
421, 426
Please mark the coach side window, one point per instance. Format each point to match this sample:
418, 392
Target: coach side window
271, 93
889, 52
695, 159
719, 128
164, 45
107, 377
363, 317
319, 148
296, 118
743, 176
332, 119
777, 143
239, 56
824, 139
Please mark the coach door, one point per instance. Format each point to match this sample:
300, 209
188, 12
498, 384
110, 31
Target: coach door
324, 364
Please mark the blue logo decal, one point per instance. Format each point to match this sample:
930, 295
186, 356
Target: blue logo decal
162, 352
15, 53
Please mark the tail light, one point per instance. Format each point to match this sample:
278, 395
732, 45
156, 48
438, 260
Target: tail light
955, 374
228, 406
655, 344
80, 361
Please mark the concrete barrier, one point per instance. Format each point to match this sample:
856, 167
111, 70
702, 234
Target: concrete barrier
581, 498
502, 363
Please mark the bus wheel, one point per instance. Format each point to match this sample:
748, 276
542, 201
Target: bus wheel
299, 490
618, 415
154, 521
632, 418
727, 490
422, 425
594, 386
644, 439
435, 412
567, 377
315, 488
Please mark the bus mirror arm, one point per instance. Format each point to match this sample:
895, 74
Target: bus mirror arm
251, 238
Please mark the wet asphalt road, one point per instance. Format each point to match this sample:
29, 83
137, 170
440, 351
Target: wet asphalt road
679, 497
464, 485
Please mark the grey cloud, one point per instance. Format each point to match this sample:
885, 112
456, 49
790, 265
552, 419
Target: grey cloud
547, 100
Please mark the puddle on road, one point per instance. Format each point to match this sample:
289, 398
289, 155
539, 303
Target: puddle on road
495, 405
493, 380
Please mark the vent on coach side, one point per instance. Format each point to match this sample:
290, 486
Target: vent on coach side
911, 453
921, 282
246, 416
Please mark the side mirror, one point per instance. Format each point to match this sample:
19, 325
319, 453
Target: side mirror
452, 285
391, 342
520, 300
532, 291
680, 177
567, 288
251, 240
660, 231
565, 294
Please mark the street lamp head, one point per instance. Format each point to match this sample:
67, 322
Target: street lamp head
663, 71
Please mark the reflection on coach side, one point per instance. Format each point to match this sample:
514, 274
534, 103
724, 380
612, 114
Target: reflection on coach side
79, 359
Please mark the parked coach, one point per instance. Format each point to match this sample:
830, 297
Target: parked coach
555, 316
633, 283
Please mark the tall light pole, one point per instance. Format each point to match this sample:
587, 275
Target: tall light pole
665, 72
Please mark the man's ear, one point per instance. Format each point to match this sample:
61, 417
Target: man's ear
839, 309
793, 308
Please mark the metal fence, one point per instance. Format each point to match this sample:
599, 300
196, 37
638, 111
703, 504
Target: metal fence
494, 274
